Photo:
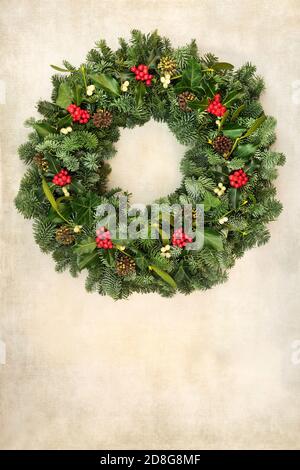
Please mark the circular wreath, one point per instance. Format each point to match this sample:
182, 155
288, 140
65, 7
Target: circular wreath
228, 167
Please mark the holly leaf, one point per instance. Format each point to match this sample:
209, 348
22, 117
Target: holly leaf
65, 95
86, 246
245, 151
191, 77
77, 93
213, 239
197, 104
139, 93
64, 121
232, 97
106, 82
234, 197
43, 129
165, 276
233, 130
85, 260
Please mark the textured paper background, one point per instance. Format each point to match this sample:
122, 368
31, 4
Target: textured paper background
212, 370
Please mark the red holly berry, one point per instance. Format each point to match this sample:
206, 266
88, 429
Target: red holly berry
62, 178
180, 239
216, 107
103, 239
78, 115
142, 73
238, 178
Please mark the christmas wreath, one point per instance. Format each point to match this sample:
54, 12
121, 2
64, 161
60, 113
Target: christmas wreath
228, 167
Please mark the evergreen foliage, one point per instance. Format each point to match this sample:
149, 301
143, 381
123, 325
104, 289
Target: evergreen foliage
86, 149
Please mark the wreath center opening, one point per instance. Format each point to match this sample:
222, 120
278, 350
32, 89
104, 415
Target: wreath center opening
147, 162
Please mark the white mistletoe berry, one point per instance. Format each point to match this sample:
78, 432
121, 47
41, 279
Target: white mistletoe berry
90, 90
124, 86
166, 80
222, 220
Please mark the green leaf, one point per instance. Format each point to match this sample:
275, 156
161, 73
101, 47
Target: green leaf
141, 262
59, 69
65, 95
49, 195
191, 77
210, 201
77, 93
209, 88
165, 276
139, 93
245, 151
257, 123
233, 130
108, 83
234, 197
181, 274
232, 97
64, 121
86, 246
200, 105
213, 239
85, 260
237, 113
43, 129
222, 66
84, 208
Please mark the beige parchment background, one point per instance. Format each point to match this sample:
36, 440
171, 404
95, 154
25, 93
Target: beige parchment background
212, 370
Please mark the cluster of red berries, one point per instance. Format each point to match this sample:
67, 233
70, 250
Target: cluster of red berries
62, 178
216, 107
238, 178
103, 239
142, 73
78, 114
179, 238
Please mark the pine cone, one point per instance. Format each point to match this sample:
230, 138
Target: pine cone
41, 162
222, 145
125, 265
183, 100
167, 65
64, 235
102, 118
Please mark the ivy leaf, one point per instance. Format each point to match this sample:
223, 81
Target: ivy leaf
86, 246
85, 208
234, 197
222, 66
65, 95
213, 239
139, 93
85, 260
257, 123
106, 82
210, 201
181, 274
165, 276
43, 129
233, 130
